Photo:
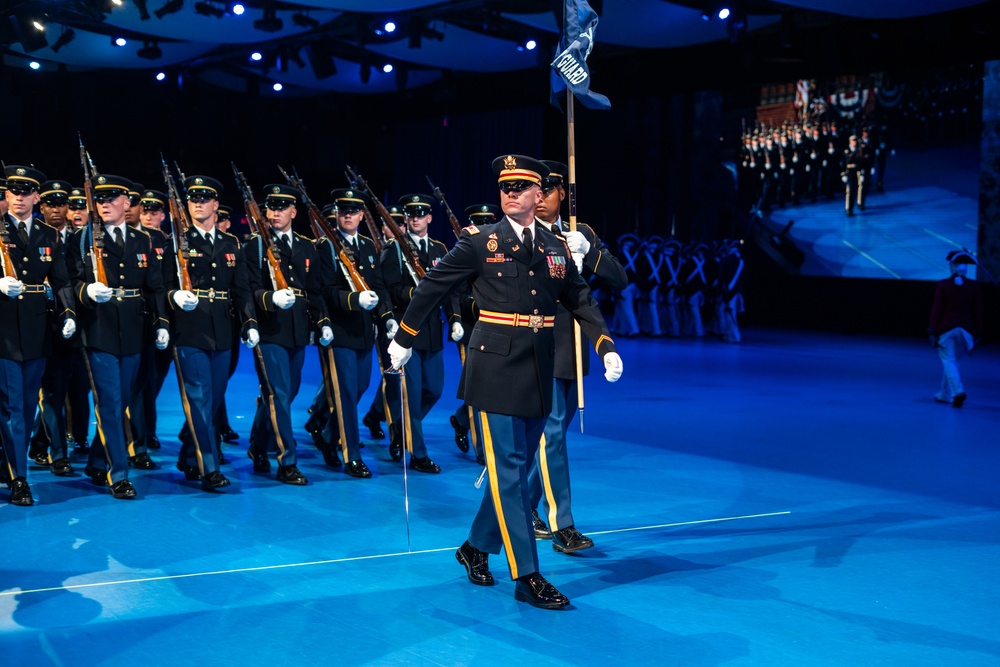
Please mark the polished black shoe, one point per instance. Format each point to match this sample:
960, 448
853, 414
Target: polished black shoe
97, 477
542, 531
330, 456
214, 480
260, 462
538, 592
191, 473
395, 443
291, 475
39, 453
477, 564
958, 400
123, 490
229, 435
61, 468
424, 465
142, 462
357, 468
374, 426
568, 540
81, 448
20, 493
152, 442
461, 435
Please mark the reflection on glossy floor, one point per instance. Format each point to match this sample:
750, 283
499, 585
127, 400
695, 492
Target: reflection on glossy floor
875, 540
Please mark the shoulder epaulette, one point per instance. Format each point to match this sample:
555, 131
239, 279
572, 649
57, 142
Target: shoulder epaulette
472, 229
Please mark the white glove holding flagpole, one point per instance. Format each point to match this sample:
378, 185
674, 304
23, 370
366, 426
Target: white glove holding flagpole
577, 242
398, 355
457, 331
612, 367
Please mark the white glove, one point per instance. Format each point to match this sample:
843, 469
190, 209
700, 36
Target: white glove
325, 336
391, 327
844, 178
457, 331
578, 260
368, 299
99, 292
11, 287
284, 299
69, 328
398, 355
577, 242
252, 339
612, 367
185, 300
162, 339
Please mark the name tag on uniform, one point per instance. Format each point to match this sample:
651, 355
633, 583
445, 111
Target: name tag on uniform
557, 266
194, 253
499, 257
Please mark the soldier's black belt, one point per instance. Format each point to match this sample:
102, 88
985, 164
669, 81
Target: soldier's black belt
210, 294
517, 319
33, 289
122, 293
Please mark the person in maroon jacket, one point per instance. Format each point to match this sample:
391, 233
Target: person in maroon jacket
956, 324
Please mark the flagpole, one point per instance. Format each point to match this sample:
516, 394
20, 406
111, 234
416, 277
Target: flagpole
571, 143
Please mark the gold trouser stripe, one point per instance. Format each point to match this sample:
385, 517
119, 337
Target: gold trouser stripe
270, 401
45, 427
491, 467
97, 414
187, 412
543, 467
337, 402
127, 430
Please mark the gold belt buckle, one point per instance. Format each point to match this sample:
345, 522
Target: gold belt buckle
211, 294
535, 321
120, 293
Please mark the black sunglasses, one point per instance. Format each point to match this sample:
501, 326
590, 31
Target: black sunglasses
514, 186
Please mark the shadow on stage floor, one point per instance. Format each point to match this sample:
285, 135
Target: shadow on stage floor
797, 499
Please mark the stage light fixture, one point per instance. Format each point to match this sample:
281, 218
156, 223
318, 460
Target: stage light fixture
321, 60
161, 76
118, 41
270, 22
705, 16
206, 9
171, 7
65, 38
117, 3
277, 87
27, 32
37, 25
389, 26
150, 51
34, 64
387, 68
724, 13
256, 56
237, 9
304, 21
143, 12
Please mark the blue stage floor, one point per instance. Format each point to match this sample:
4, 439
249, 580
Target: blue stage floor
795, 500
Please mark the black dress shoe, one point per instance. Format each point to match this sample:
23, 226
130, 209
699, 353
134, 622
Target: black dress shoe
97, 477
39, 453
214, 480
61, 468
260, 462
374, 426
81, 448
357, 468
395, 442
330, 456
536, 591
20, 492
958, 399
542, 531
152, 442
229, 435
191, 473
141, 462
461, 435
291, 475
123, 490
568, 540
424, 465
477, 564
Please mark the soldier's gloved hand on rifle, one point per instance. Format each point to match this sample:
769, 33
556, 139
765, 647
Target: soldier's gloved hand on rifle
325, 336
367, 299
252, 339
284, 298
185, 300
162, 339
69, 328
612, 367
99, 292
398, 355
577, 242
843, 177
457, 331
391, 327
578, 260
11, 287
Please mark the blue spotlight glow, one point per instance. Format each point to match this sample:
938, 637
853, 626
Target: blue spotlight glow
724, 13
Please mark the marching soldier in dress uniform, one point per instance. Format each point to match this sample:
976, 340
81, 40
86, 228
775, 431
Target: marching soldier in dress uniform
78, 404
48, 438
625, 306
113, 321
355, 314
31, 257
853, 175
548, 477
521, 271
462, 419
424, 380
223, 222
279, 328
202, 323
672, 263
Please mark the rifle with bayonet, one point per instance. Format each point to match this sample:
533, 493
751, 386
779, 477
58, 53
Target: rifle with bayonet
259, 226
179, 224
369, 221
405, 244
455, 226
321, 229
94, 219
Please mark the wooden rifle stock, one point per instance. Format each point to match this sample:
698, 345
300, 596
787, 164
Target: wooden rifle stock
8, 264
455, 226
259, 226
94, 220
180, 223
404, 243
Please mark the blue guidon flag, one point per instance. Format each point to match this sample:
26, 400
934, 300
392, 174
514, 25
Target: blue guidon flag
570, 65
